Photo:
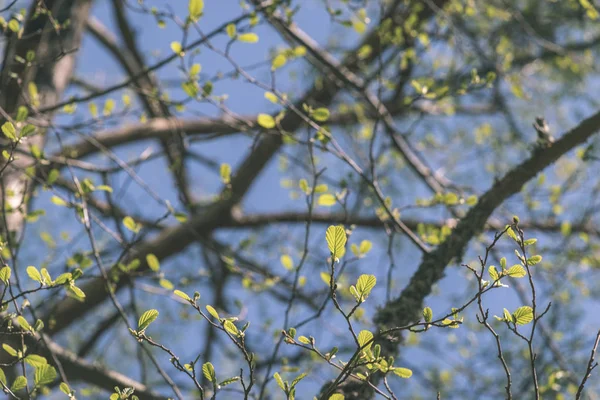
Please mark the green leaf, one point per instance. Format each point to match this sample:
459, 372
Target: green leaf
146, 319
511, 234
34, 273
209, 372
225, 173
23, 323
365, 246
321, 114
534, 260
529, 242
493, 273
9, 131
46, 278
337, 396
325, 277
336, 240
27, 130
63, 278
177, 48
365, 284
195, 9
9, 349
523, 315
35, 361
53, 175
403, 372
20, 383
44, 375
303, 339
428, 314
131, 224
58, 201
2, 377
278, 62
248, 38
231, 328
287, 262
516, 271
231, 30
76, 292
5, 273
65, 388
271, 97
109, 106
212, 312
326, 200
363, 338
298, 379
279, 380
229, 381
183, 295
266, 121
152, 262
503, 263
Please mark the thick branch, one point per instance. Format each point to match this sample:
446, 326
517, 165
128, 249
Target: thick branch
406, 308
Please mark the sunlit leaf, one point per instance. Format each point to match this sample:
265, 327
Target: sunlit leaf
146, 319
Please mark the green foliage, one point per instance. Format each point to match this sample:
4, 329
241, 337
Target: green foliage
336, 241
146, 319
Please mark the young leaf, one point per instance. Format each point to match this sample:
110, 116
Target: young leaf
336, 240
266, 121
183, 295
271, 97
5, 273
153, 262
65, 388
493, 273
229, 381
248, 37
35, 361
287, 262
365, 246
298, 379
279, 380
365, 284
516, 271
534, 260
131, 224
231, 328
225, 171
326, 200
212, 312
9, 349
23, 323
303, 339
427, 314
34, 274
19, 383
278, 62
336, 396
529, 242
209, 372
321, 114
146, 319
195, 9
363, 338
511, 234
9, 131
44, 375
523, 315
231, 30
403, 372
